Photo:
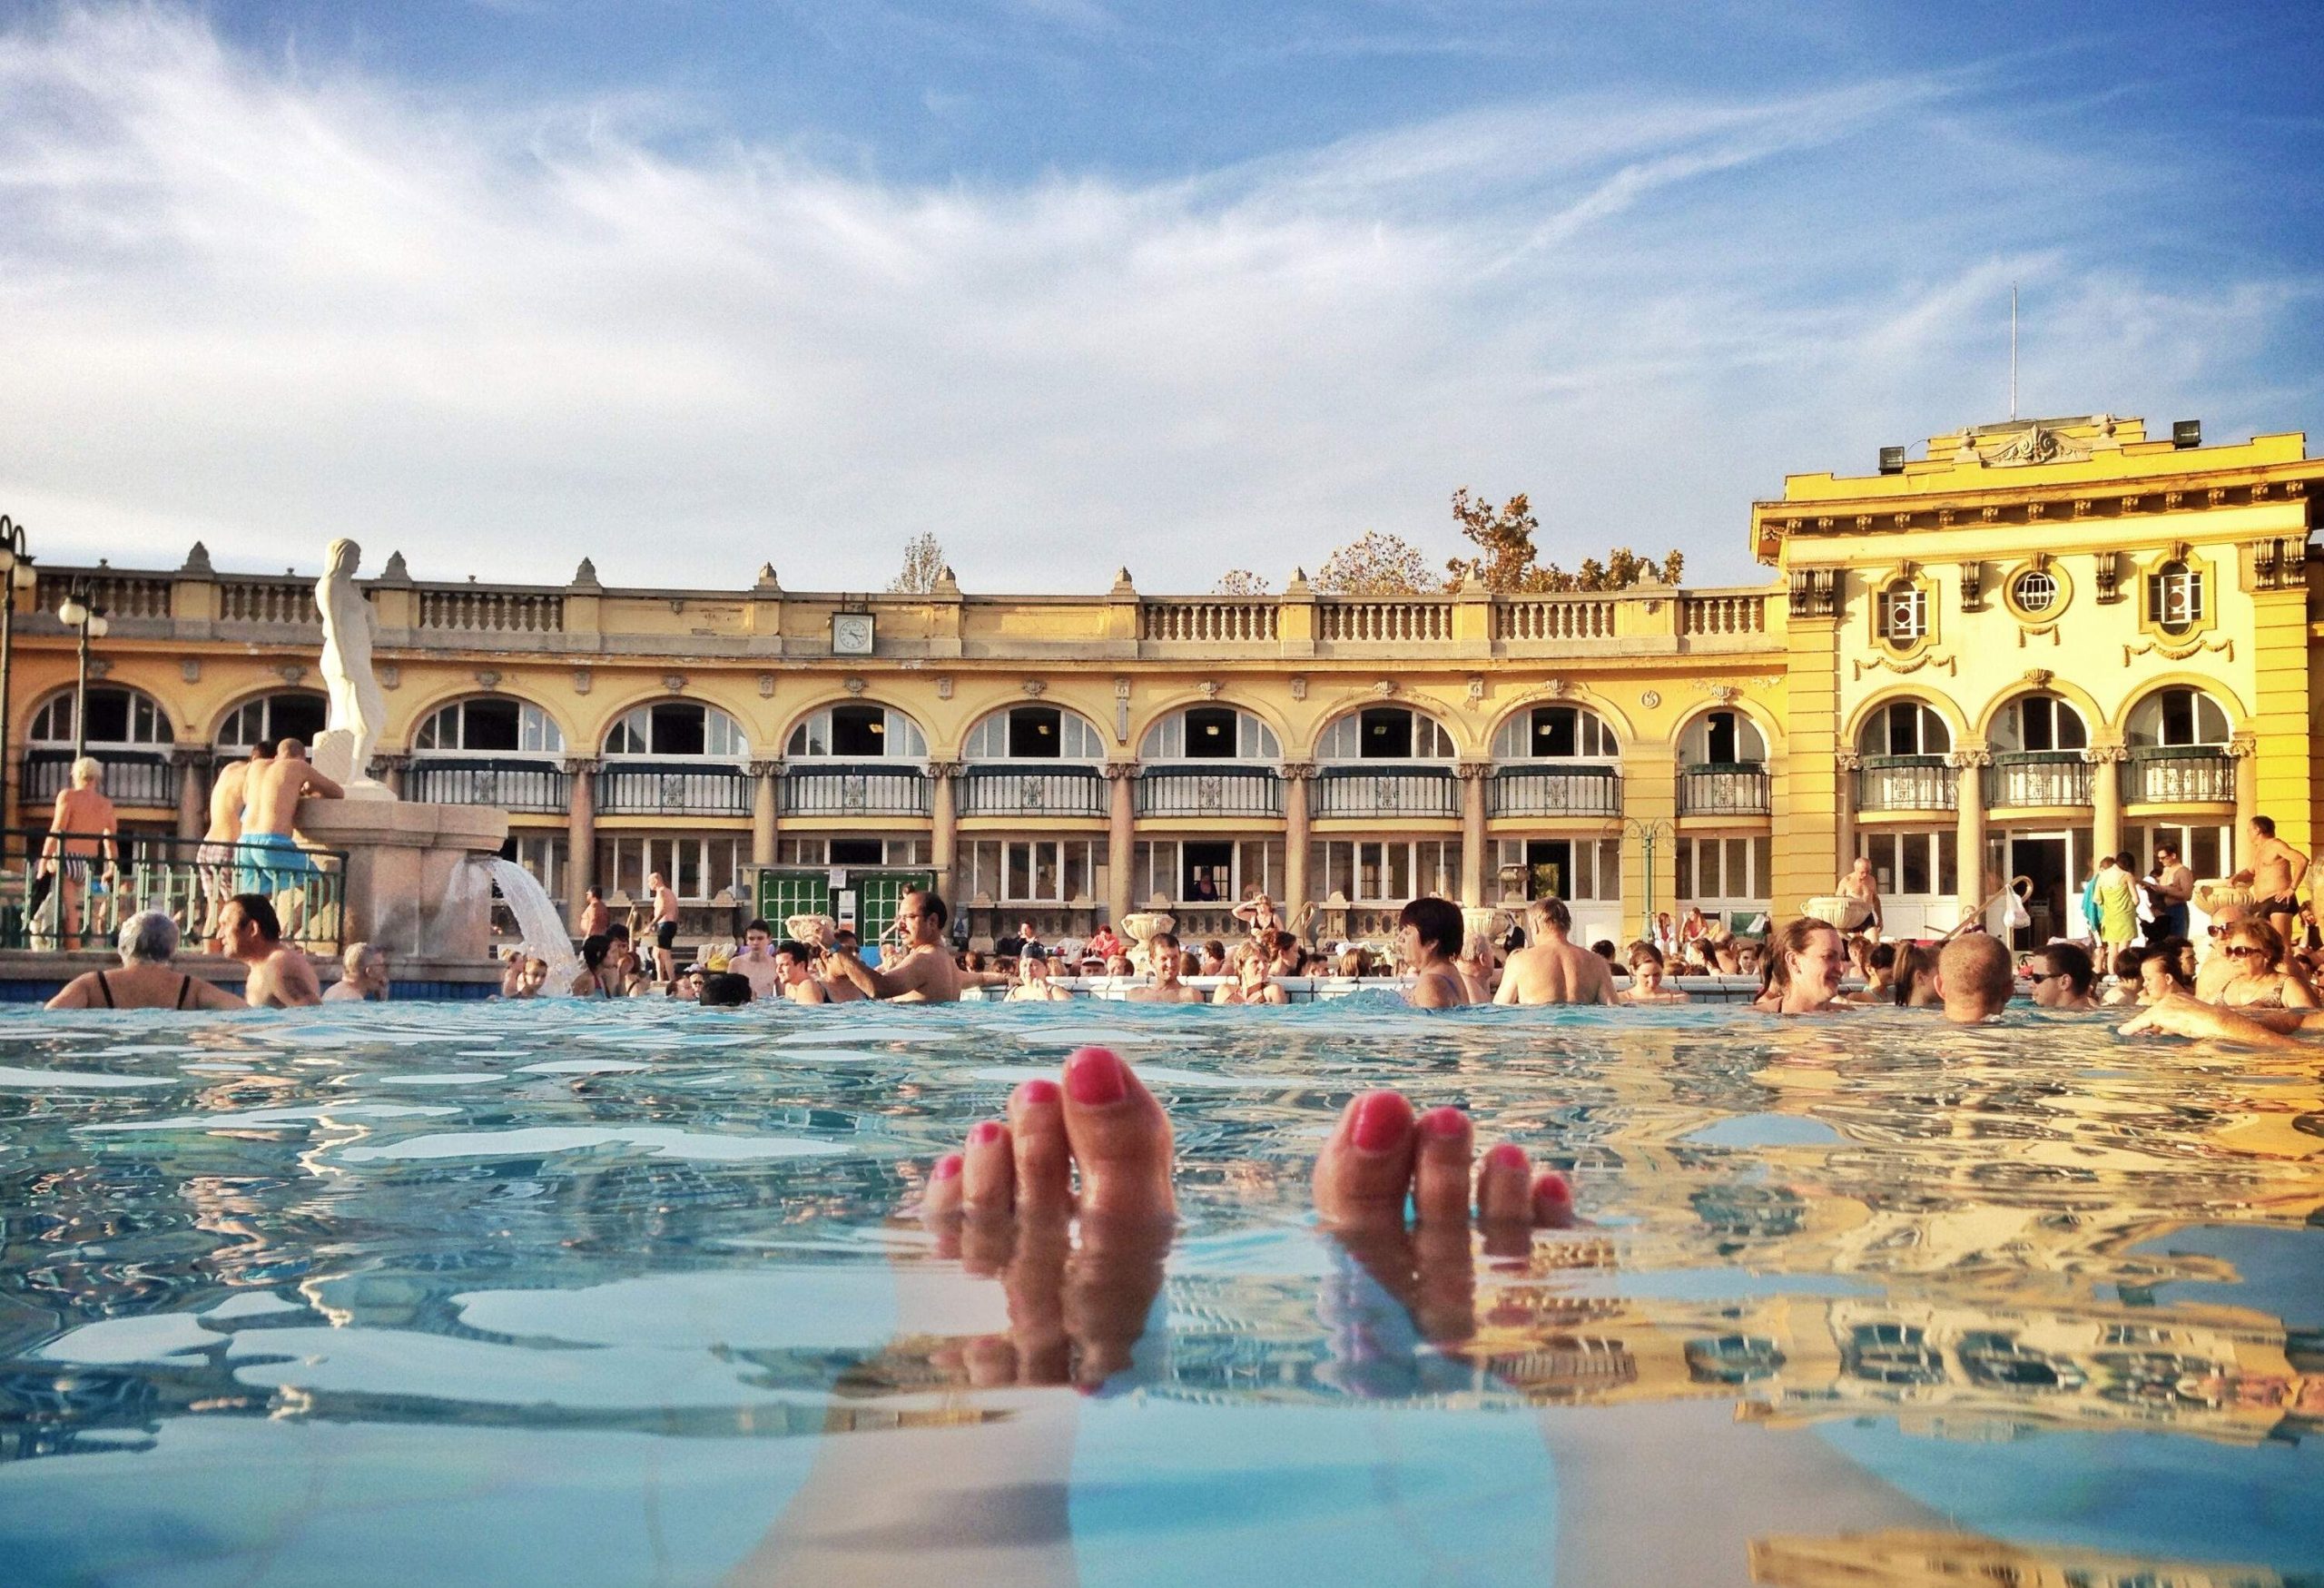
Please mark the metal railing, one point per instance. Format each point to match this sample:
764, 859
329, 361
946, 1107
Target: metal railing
1906, 782
1555, 791
2187, 776
144, 778
61, 892
660, 788
536, 786
994, 791
2021, 778
848, 791
1210, 791
1356, 790
1738, 788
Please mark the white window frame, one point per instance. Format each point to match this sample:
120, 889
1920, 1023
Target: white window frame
1371, 870
1903, 612
902, 738
638, 722
1079, 742
991, 867
1342, 741
712, 861
149, 723
537, 732
1167, 740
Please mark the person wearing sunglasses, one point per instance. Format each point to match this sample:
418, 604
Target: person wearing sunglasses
2061, 978
2259, 981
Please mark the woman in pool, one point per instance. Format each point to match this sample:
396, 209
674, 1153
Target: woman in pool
1428, 934
1033, 983
1647, 986
2259, 981
1478, 972
1916, 977
148, 942
1879, 963
1804, 963
1252, 983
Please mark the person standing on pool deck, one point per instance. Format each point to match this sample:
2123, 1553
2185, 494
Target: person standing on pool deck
1553, 969
2173, 886
271, 789
214, 860
79, 836
924, 972
666, 926
280, 976
1860, 886
2273, 876
596, 918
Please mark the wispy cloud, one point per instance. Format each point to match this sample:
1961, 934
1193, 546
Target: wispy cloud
265, 305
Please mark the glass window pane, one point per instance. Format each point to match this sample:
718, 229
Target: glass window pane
1398, 882
1686, 870
1914, 850
1020, 871
1763, 872
1949, 870
1076, 869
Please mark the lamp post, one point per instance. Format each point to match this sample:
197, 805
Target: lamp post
16, 574
77, 611
1648, 834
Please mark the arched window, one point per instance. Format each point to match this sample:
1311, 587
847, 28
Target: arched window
1555, 732
2175, 718
858, 733
116, 716
1904, 727
291, 713
1722, 738
2174, 598
1903, 617
497, 724
1036, 733
1385, 733
678, 727
2039, 722
1210, 733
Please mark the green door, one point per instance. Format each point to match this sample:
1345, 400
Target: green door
879, 894
784, 893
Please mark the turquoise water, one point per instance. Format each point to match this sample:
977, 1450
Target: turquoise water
565, 1294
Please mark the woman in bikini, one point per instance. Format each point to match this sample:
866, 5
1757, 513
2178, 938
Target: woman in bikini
149, 942
2259, 981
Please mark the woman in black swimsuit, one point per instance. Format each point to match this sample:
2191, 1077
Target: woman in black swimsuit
149, 942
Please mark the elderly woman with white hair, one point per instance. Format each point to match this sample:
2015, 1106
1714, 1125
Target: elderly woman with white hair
79, 837
149, 942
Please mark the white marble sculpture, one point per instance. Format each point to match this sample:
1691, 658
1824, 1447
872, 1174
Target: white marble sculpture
342, 751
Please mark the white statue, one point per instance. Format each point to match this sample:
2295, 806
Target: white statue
343, 751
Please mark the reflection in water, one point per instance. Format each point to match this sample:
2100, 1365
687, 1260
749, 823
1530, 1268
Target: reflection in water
1966, 1238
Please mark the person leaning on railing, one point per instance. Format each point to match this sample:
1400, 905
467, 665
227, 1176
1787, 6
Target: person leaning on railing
149, 942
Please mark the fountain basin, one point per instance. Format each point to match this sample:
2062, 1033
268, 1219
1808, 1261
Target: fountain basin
411, 887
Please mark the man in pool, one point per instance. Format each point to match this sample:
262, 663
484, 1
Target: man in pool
756, 961
1974, 978
923, 973
1553, 969
794, 972
278, 975
1162, 951
2062, 977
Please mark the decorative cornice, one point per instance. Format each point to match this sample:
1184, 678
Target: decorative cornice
2224, 647
1909, 664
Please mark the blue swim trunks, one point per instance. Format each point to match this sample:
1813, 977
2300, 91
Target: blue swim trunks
272, 862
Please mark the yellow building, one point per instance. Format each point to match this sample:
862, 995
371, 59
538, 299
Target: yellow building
2050, 638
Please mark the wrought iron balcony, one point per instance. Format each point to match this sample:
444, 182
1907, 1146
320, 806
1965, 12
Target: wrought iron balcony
2179, 775
132, 777
1212, 790
1001, 791
899, 790
666, 788
1556, 790
1906, 782
512, 782
1723, 789
1356, 790
2022, 778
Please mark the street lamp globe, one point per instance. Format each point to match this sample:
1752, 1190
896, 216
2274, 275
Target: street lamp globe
98, 627
73, 613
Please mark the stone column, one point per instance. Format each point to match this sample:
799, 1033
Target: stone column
1849, 763
2106, 799
581, 835
1297, 778
1473, 776
2243, 749
1121, 829
944, 829
194, 771
766, 777
1969, 832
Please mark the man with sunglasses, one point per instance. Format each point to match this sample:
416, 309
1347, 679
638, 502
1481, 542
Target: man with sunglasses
2167, 893
2062, 978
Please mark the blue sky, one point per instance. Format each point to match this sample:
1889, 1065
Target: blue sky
1073, 283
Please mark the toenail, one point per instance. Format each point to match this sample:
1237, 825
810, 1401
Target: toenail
1381, 1121
1509, 1154
1553, 1188
946, 1167
1094, 1076
1444, 1121
1034, 1093
985, 1134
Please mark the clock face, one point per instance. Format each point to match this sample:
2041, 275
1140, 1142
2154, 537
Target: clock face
851, 634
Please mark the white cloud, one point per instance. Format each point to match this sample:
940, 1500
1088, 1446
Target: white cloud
264, 306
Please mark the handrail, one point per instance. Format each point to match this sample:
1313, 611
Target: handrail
48, 905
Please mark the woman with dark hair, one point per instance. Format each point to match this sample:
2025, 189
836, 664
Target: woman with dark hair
1804, 963
1428, 935
1647, 986
1916, 977
592, 983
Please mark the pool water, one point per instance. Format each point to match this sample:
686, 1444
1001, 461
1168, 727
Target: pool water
562, 1294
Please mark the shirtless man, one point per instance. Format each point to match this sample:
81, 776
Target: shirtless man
1553, 969
2273, 875
756, 962
273, 860
81, 839
666, 926
1163, 953
280, 976
2173, 885
924, 972
214, 861
1860, 886
1428, 934
794, 973
596, 918
364, 976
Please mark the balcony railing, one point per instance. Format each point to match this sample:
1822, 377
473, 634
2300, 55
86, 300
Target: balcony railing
855, 790
2178, 776
1356, 790
1720, 789
2020, 778
1555, 791
673, 789
1906, 782
994, 791
132, 777
1210, 791
513, 784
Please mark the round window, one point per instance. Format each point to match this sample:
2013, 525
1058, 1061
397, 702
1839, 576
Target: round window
2033, 592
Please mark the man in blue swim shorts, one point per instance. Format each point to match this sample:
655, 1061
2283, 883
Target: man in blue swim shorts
272, 859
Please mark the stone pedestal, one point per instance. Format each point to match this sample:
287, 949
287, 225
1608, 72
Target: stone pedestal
409, 887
